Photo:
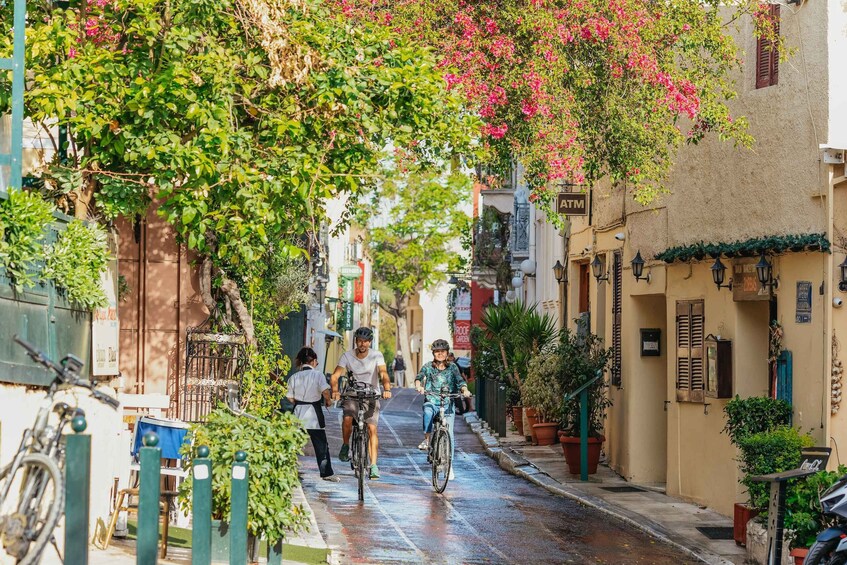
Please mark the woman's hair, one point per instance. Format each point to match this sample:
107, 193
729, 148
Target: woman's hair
306, 356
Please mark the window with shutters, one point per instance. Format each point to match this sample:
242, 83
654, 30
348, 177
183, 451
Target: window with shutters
767, 54
689, 351
617, 284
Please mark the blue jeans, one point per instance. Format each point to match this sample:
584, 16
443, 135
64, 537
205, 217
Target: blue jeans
429, 412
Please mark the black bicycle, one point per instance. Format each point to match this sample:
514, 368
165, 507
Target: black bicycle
440, 453
362, 393
32, 486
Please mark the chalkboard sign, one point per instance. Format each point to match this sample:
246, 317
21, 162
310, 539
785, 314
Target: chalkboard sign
745, 283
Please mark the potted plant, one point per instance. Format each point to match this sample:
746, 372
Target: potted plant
579, 358
804, 518
744, 418
272, 447
543, 391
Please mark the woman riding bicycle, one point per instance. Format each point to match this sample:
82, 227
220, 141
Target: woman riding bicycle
433, 376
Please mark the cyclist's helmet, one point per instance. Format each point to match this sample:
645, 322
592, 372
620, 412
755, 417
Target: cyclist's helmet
364, 333
440, 345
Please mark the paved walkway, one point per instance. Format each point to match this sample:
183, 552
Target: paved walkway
643, 506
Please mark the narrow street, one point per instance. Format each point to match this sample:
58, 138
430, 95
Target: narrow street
485, 516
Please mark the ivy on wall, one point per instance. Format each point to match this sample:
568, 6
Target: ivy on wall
746, 248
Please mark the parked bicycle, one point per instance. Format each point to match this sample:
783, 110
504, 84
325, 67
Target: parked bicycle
362, 393
32, 486
440, 453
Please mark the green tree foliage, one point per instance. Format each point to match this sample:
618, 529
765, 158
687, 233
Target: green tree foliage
415, 220
238, 116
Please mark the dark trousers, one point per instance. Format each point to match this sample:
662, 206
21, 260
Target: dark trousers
321, 446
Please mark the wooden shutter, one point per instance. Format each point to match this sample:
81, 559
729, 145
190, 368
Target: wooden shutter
617, 281
767, 57
689, 351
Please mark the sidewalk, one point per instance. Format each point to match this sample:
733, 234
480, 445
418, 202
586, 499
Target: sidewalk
643, 506
122, 551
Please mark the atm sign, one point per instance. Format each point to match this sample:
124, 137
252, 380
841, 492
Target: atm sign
572, 203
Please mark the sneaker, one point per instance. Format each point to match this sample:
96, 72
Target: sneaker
424, 445
450, 475
344, 454
332, 478
374, 472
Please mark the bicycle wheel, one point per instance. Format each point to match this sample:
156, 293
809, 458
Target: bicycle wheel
363, 462
27, 524
354, 450
441, 460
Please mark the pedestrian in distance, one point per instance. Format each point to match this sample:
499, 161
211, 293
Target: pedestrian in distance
309, 391
367, 366
399, 371
433, 376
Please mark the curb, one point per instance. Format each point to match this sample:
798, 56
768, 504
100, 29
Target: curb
310, 535
521, 467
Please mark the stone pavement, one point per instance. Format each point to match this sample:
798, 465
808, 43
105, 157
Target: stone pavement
647, 508
122, 551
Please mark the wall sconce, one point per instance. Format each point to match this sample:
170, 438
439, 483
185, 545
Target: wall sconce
718, 273
528, 267
517, 281
638, 268
597, 269
842, 285
561, 275
320, 293
764, 272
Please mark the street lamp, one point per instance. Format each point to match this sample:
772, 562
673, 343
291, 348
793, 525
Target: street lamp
597, 269
764, 272
561, 274
320, 293
638, 268
718, 272
559, 271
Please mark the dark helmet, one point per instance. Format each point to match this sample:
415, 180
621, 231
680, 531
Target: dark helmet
364, 333
440, 345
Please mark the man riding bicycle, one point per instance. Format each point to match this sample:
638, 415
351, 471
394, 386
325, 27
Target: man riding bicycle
433, 376
367, 366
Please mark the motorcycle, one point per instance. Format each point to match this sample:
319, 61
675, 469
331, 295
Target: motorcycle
830, 547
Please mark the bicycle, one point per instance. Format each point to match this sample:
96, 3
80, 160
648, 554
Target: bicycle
359, 456
36, 470
440, 453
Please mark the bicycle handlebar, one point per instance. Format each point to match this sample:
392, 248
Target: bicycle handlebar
64, 374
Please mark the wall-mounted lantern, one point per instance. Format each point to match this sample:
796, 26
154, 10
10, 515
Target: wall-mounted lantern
598, 270
764, 272
718, 274
842, 285
638, 268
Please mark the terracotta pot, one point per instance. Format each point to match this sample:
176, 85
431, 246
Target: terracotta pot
740, 516
799, 554
530, 421
571, 447
545, 432
517, 418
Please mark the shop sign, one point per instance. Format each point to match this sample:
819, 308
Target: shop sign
359, 286
105, 330
347, 289
462, 309
572, 203
462, 334
351, 271
346, 316
745, 282
803, 314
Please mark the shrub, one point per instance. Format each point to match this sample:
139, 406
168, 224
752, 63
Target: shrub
75, 263
804, 518
541, 389
769, 452
24, 218
756, 414
580, 357
272, 447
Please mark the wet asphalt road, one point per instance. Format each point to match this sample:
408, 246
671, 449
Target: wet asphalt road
486, 515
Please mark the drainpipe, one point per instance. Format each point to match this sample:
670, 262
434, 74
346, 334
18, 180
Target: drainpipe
530, 281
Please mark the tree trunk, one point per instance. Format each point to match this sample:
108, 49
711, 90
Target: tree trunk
206, 286
230, 288
83, 197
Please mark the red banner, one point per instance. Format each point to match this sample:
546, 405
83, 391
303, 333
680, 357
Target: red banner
462, 334
359, 286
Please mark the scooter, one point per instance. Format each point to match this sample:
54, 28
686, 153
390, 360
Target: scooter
830, 547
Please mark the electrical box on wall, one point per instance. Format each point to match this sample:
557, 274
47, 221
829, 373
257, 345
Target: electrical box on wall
651, 339
833, 156
718, 367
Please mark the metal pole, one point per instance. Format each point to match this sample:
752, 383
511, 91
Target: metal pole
480, 398
148, 502
583, 434
18, 69
501, 410
238, 511
201, 508
77, 489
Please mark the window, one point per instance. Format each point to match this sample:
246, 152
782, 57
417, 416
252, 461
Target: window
689, 351
767, 55
617, 281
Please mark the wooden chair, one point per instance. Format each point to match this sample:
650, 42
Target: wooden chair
124, 504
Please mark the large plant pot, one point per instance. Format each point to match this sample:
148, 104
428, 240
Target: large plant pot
740, 516
545, 432
571, 448
799, 554
517, 418
531, 418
